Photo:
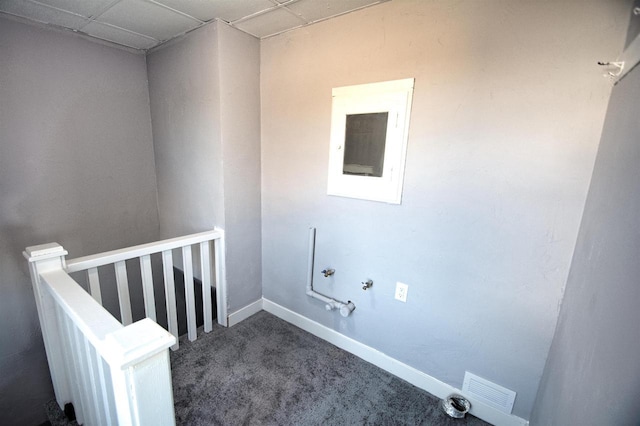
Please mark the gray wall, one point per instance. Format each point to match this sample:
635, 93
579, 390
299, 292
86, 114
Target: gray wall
240, 124
205, 109
76, 167
185, 113
507, 112
592, 376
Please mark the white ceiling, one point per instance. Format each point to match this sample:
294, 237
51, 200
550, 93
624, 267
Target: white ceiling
144, 24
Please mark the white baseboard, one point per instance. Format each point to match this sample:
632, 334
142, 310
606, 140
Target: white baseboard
244, 313
415, 377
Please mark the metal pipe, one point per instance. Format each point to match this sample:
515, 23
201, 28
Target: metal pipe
345, 308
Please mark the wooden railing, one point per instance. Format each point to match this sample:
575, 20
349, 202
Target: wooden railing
118, 373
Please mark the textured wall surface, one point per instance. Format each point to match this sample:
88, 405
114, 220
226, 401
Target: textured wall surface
507, 113
592, 375
205, 109
240, 125
185, 102
76, 167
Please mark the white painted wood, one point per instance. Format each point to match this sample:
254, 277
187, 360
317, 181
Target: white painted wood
205, 264
244, 313
221, 278
393, 366
122, 347
89, 404
147, 287
79, 395
187, 264
94, 284
41, 258
104, 366
64, 343
107, 258
144, 394
135, 356
170, 295
140, 373
123, 292
393, 97
94, 382
87, 314
104, 389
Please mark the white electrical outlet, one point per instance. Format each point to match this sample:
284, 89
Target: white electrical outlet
401, 291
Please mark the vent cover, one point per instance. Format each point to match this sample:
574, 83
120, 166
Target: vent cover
491, 394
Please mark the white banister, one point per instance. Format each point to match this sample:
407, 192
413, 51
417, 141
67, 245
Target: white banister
147, 287
109, 257
118, 258
94, 284
123, 292
170, 294
42, 258
111, 373
205, 263
141, 374
118, 372
187, 264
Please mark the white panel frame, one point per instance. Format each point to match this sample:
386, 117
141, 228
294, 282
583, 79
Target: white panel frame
394, 97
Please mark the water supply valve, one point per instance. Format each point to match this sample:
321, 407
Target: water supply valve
328, 272
367, 284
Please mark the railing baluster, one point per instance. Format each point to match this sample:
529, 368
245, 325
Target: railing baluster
74, 368
189, 293
170, 295
123, 292
65, 342
85, 387
147, 287
104, 388
205, 262
96, 411
94, 284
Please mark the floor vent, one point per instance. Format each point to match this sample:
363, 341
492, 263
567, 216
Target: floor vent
491, 394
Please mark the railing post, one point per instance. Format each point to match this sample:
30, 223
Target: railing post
138, 356
44, 258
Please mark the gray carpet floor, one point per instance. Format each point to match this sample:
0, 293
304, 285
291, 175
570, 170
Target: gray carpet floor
265, 371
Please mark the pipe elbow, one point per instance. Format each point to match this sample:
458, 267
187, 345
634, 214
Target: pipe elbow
345, 310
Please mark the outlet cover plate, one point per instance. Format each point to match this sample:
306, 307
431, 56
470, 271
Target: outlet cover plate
401, 291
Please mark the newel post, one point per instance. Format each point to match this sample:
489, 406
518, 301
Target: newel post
44, 258
138, 357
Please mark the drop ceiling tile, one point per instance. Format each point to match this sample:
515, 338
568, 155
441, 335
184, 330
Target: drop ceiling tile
116, 35
39, 13
82, 7
148, 19
227, 10
314, 10
269, 23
